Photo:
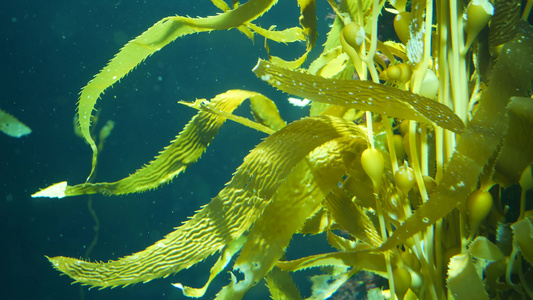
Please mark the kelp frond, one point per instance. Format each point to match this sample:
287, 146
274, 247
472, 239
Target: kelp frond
399, 166
151, 41
185, 150
266, 174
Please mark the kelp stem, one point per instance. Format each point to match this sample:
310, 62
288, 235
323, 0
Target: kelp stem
384, 236
429, 279
368, 58
415, 161
390, 143
441, 146
458, 65
423, 256
439, 154
424, 159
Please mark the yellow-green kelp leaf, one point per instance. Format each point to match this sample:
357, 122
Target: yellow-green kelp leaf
325, 285
12, 126
289, 35
351, 217
482, 248
362, 95
308, 19
463, 280
266, 112
281, 286
295, 200
373, 262
517, 148
225, 218
523, 238
511, 77
152, 40
185, 150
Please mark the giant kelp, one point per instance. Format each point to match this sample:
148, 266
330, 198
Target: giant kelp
396, 168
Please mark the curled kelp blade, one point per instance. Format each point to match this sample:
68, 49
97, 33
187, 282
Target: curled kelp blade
185, 150
362, 95
12, 126
225, 218
295, 200
151, 41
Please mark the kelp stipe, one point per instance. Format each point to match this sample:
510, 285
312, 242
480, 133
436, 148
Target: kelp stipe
399, 169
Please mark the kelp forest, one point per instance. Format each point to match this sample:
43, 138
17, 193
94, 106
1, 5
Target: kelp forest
403, 165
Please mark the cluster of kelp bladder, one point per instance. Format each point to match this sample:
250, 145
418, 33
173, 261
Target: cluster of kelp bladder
394, 164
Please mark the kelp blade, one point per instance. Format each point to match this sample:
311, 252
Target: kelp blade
296, 199
12, 126
152, 40
374, 262
185, 150
362, 95
225, 218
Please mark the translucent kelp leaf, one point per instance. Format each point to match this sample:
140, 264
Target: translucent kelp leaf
266, 112
354, 8
351, 218
373, 262
223, 260
463, 280
281, 285
308, 19
523, 237
330, 63
12, 126
151, 41
289, 35
295, 200
324, 286
230, 214
517, 148
316, 223
363, 95
185, 150
482, 248
340, 243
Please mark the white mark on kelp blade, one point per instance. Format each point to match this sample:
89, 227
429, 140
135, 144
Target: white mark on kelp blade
54, 191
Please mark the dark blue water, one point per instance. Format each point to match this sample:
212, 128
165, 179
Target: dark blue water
50, 50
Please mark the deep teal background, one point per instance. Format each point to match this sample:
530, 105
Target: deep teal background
50, 50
